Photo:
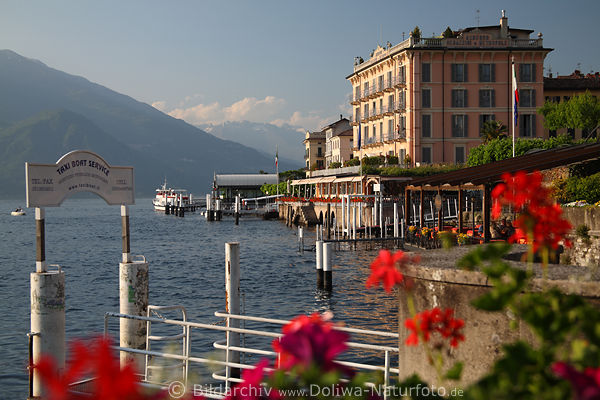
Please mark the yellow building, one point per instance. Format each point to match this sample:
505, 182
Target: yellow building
426, 99
314, 154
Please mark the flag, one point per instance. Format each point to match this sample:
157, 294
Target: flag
516, 94
359, 135
276, 157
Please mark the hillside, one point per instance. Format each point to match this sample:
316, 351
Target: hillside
156, 144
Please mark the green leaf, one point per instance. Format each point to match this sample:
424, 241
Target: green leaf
455, 372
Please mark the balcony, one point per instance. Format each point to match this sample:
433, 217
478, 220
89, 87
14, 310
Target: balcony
399, 81
400, 106
390, 137
388, 85
389, 109
354, 120
356, 99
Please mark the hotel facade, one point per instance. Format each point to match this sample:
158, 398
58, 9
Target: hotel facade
425, 100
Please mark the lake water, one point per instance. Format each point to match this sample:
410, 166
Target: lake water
186, 258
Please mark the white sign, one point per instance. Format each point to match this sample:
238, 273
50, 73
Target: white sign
48, 185
378, 187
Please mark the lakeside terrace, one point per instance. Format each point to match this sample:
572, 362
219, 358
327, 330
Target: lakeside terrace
418, 193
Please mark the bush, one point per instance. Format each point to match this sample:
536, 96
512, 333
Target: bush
335, 165
373, 161
392, 160
581, 188
501, 148
582, 231
353, 162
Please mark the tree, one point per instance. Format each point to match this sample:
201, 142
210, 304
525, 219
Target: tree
448, 33
493, 129
580, 112
416, 33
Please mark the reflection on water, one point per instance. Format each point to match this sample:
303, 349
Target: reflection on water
186, 257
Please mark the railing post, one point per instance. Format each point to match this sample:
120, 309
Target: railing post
232, 290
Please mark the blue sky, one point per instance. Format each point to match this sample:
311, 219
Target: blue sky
263, 61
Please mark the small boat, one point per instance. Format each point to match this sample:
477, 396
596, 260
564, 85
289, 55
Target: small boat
172, 197
17, 212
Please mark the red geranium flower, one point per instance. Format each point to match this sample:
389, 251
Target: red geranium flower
539, 217
250, 388
310, 340
428, 322
386, 269
586, 384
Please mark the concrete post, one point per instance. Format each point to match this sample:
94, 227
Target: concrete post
133, 300
232, 306
300, 239
343, 213
381, 222
354, 222
327, 265
125, 234
47, 321
319, 263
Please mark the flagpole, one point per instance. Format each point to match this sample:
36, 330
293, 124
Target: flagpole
277, 168
514, 105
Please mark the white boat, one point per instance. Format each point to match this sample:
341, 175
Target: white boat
17, 212
172, 197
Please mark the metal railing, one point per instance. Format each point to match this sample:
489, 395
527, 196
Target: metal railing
226, 374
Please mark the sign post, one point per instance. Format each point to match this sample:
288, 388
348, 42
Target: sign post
48, 185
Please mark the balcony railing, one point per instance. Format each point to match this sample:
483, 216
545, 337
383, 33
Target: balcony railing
445, 42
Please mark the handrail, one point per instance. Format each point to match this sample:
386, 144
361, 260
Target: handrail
225, 375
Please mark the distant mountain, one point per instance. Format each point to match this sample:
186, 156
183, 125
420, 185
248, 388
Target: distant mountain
263, 137
48, 135
125, 131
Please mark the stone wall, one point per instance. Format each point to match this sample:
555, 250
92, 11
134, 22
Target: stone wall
584, 252
445, 286
589, 216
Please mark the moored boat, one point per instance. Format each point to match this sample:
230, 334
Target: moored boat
166, 196
17, 212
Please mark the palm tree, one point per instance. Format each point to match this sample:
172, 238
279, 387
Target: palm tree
493, 129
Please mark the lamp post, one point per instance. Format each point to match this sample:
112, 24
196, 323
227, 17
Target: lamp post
473, 211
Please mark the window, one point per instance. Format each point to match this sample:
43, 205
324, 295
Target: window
366, 139
381, 131
389, 79
459, 154
402, 99
487, 72
459, 73
459, 126
483, 118
366, 89
391, 103
381, 105
487, 98
527, 125
426, 155
426, 98
357, 114
402, 156
366, 111
374, 132
402, 124
402, 74
527, 98
319, 152
357, 93
390, 128
459, 98
380, 83
527, 72
425, 72
426, 126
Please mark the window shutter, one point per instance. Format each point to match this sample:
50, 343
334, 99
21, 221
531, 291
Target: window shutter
533, 98
480, 98
466, 75
493, 98
466, 98
480, 72
520, 72
522, 126
493, 72
533, 125
466, 126
533, 75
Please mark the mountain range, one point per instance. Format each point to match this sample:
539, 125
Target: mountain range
45, 113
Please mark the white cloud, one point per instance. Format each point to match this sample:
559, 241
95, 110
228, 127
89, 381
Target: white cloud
267, 110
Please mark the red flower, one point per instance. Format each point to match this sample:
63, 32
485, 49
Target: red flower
95, 359
386, 269
428, 322
310, 340
250, 388
586, 385
539, 217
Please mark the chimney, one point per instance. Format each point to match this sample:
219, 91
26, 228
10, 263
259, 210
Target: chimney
341, 117
503, 25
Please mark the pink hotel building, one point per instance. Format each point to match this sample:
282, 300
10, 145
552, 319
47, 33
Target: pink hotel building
425, 99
